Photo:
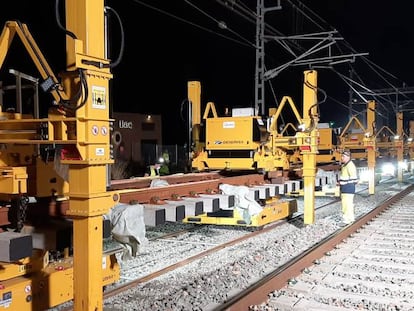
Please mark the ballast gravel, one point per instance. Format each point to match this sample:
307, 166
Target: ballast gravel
208, 282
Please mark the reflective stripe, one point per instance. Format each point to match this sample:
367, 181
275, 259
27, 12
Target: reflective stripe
348, 177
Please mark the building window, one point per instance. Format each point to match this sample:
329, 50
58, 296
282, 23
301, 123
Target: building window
148, 126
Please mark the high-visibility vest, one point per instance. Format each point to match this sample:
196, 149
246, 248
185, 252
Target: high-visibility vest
348, 178
153, 172
166, 157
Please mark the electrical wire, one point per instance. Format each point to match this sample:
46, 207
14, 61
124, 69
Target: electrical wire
380, 72
190, 23
242, 10
224, 26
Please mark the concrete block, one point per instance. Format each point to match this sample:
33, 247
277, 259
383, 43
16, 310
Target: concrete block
55, 235
283, 188
293, 185
192, 208
173, 213
264, 192
225, 201
210, 204
253, 194
15, 246
154, 216
273, 189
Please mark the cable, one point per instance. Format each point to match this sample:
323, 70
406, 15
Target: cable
311, 116
122, 48
219, 23
376, 69
57, 16
191, 23
249, 15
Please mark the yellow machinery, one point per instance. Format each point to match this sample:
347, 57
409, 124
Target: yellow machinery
326, 144
327, 153
387, 142
231, 142
352, 138
78, 123
392, 146
248, 142
361, 142
243, 141
369, 142
273, 210
372, 145
409, 145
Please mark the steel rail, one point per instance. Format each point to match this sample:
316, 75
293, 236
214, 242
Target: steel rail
258, 292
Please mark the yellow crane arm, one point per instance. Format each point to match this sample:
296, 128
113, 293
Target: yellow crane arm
50, 83
275, 117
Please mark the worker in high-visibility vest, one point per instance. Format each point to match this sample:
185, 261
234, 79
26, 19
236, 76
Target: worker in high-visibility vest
164, 163
154, 170
166, 157
347, 182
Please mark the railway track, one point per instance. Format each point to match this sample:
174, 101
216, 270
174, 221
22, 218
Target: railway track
152, 289
140, 190
246, 235
286, 276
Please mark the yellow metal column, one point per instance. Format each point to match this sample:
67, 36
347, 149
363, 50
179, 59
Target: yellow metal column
194, 96
371, 146
399, 143
87, 265
87, 204
88, 198
310, 119
410, 145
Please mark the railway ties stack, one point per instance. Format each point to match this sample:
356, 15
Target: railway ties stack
218, 208
175, 210
208, 208
178, 209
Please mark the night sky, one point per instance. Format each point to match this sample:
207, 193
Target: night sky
168, 43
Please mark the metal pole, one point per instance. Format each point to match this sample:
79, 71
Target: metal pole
351, 95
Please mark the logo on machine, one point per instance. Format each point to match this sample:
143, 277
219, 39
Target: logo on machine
228, 142
229, 125
125, 124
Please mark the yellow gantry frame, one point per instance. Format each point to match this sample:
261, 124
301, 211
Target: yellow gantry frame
306, 141
353, 141
370, 145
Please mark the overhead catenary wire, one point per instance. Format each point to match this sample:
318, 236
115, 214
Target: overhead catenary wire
223, 25
380, 72
185, 21
247, 13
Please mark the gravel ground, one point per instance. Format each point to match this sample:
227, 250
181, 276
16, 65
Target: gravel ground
208, 282
372, 270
